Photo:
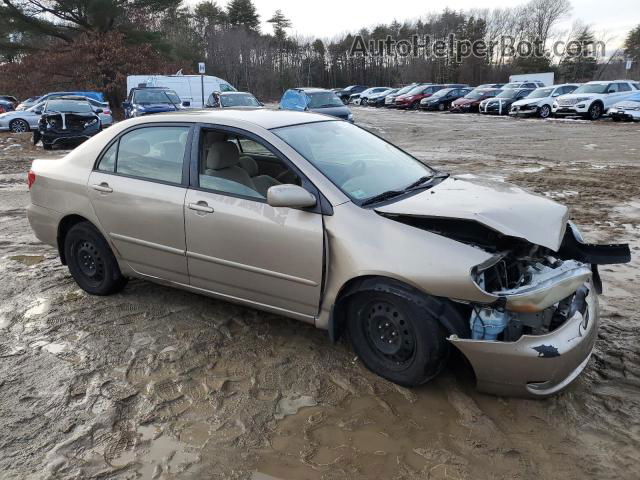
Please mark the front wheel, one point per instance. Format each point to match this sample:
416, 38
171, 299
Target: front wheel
397, 338
19, 126
91, 262
595, 111
545, 111
441, 107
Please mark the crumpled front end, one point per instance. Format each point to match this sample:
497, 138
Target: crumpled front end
538, 364
538, 334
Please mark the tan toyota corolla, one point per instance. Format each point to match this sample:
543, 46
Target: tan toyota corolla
319, 220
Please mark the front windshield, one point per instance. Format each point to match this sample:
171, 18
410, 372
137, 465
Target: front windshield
404, 90
416, 90
239, 100
541, 93
359, 163
71, 106
442, 93
324, 99
476, 94
145, 97
592, 88
37, 106
509, 93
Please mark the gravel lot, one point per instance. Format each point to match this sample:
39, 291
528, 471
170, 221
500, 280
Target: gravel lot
158, 383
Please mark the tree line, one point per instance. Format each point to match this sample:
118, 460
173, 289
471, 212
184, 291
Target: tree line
48, 45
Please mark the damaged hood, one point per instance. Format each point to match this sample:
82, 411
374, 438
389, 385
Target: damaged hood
500, 206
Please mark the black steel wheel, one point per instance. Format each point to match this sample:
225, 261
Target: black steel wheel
397, 334
91, 262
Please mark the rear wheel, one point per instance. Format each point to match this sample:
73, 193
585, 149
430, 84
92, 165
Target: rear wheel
398, 338
91, 262
47, 146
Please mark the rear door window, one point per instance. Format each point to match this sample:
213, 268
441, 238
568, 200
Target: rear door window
152, 153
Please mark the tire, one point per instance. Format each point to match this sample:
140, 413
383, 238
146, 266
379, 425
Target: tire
545, 111
91, 261
615, 119
47, 146
595, 111
399, 337
19, 126
441, 107
414, 106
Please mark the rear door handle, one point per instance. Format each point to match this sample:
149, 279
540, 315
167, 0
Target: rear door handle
103, 187
201, 207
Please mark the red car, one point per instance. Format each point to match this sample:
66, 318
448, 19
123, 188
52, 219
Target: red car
412, 98
471, 101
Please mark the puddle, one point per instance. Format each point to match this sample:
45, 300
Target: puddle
40, 306
27, 260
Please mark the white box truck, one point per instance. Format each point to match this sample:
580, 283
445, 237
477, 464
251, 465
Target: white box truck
188, 87
546, 78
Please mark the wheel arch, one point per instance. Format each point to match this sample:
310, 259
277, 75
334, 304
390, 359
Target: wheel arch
66, 223
337, 318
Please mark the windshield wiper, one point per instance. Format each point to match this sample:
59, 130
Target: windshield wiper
382, 196
422, 182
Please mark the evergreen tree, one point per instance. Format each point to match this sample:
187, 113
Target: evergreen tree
632, 44
242, 13
280, 22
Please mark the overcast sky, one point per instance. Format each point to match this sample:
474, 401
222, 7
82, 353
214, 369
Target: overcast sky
327, 18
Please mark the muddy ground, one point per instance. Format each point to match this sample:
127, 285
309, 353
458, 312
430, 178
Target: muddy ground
158, 383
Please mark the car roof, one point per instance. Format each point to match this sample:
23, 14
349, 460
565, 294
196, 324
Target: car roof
236, 93
311, 89
260, 117
69, 97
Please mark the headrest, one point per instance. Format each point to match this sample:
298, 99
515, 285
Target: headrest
137, 146
222, 155
249, 165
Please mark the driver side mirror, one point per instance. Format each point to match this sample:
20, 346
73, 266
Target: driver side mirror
291, 196
611, 90
555, 94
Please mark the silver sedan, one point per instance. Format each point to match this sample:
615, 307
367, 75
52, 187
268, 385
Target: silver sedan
21, 121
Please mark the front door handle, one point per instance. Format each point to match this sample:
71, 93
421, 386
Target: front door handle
201, 207
103, 187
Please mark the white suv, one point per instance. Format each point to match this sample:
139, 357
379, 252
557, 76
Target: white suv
540, 101
593, 99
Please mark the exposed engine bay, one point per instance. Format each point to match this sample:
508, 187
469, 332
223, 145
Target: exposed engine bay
536, 289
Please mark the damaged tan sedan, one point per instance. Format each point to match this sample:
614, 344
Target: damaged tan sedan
319, 220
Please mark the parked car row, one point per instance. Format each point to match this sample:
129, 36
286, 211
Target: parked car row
618, 99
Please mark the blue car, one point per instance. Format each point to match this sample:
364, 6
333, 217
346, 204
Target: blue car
149, 100
316, 100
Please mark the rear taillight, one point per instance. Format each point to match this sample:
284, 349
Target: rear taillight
31, 178
106, 111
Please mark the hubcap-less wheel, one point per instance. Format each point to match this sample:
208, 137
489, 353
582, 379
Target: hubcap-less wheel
90, 262
388, 332
19, 126
544, 111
